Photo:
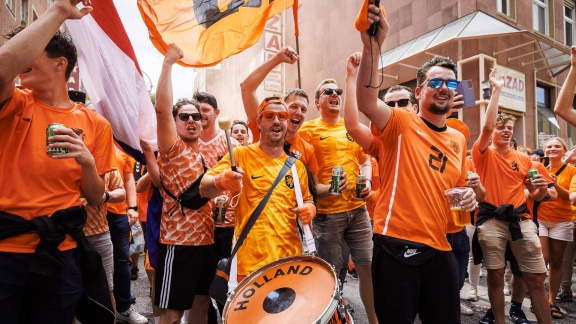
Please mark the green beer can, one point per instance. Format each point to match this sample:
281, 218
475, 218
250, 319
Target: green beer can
532, 173
337, 173
360, 185
49, 133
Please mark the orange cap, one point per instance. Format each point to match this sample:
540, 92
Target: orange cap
460, 126
271, 100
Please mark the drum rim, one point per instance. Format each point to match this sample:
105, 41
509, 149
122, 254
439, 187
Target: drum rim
324, 316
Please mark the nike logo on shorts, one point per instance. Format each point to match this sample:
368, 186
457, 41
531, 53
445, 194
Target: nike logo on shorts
411, 253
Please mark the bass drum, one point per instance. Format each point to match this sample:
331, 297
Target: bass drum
299, 289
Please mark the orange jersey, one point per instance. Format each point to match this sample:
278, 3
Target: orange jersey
558, 210
34, 184
213, 151
417, 163
179, 167
125, 165
302, 150
142, 198
333, 146
274, 235
96, 222
503, 176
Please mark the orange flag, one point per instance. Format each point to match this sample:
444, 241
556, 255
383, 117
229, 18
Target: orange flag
208, 31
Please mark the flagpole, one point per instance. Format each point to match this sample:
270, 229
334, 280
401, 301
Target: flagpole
297, 33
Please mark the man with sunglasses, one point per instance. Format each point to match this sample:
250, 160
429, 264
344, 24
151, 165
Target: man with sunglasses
274, 235
297, 101
399, 96
187, 255
341, 218
413, 268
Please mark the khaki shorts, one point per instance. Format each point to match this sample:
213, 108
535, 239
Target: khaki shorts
494, 235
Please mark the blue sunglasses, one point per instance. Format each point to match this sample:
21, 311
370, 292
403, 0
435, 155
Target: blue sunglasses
436, 83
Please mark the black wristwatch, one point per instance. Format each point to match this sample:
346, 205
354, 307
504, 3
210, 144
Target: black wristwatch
135, 208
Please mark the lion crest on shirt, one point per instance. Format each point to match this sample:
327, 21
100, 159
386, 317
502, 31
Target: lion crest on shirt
289, 181
455, 147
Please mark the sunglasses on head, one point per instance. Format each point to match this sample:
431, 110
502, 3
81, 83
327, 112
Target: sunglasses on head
271, 115
185, 116
330, 91
436, 83
401, 103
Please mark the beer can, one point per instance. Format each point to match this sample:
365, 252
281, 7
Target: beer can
532, 173
49, 133
337, 173
220, 210
360, 185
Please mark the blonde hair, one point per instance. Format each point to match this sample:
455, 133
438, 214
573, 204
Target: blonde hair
503, 118
562, 141
319, 87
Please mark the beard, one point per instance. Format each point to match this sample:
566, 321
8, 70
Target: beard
439, 110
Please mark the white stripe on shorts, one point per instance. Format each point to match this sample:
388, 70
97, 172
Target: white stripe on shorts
167, 277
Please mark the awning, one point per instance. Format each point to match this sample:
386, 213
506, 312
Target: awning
546, 112
472, 26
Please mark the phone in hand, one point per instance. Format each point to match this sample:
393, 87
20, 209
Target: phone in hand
545, 160
465, 89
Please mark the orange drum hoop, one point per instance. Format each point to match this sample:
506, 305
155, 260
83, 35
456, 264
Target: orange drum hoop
299, 289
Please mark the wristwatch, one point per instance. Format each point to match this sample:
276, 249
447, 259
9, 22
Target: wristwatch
135, 208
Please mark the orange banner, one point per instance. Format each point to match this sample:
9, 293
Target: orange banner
208, 31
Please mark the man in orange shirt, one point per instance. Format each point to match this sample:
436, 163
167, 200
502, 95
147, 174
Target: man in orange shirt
413, 269
187, 257
503, 218
43, 184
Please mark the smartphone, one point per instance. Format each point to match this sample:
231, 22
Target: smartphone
465, 89
77, 96
545, 160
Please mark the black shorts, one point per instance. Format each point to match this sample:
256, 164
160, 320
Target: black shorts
183, 272
404, 289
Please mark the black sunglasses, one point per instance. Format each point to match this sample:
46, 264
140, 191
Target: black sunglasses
401, 103
185, 116
330, 91
436, 83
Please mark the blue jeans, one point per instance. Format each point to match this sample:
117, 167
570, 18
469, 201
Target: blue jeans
461, 249
120, 235
24, 299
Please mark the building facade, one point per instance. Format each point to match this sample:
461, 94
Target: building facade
16, 13
529, 40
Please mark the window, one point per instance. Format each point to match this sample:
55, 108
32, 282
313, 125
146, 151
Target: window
540, 15
10, 5
568, 23
24, 13
504, 7
547, 123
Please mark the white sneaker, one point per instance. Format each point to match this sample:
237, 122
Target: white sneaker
473, 294
465, 310
131, 316
506, 290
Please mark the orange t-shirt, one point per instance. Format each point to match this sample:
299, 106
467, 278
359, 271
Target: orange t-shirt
126, 165
302, 150
274, 235
179, 167
96, 222
417, 163
34, 184
333, 146
213, 151
503, 175
558, 210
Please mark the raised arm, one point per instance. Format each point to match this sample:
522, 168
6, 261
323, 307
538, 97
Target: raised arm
19, 52
368, 76
491, 111
166, 128
563, 107
249, 86
359, 132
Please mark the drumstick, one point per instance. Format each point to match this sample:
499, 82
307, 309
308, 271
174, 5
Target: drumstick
224, 122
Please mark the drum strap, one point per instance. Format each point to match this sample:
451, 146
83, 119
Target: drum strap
287, 165
308, 239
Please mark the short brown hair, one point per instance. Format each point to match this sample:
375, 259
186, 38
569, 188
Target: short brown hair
297, 92
503, 118
182, 102
398, 87
319, 87
435, 61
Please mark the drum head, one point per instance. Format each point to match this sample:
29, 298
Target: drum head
291, 290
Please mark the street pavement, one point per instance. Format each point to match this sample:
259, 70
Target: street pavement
141, 289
